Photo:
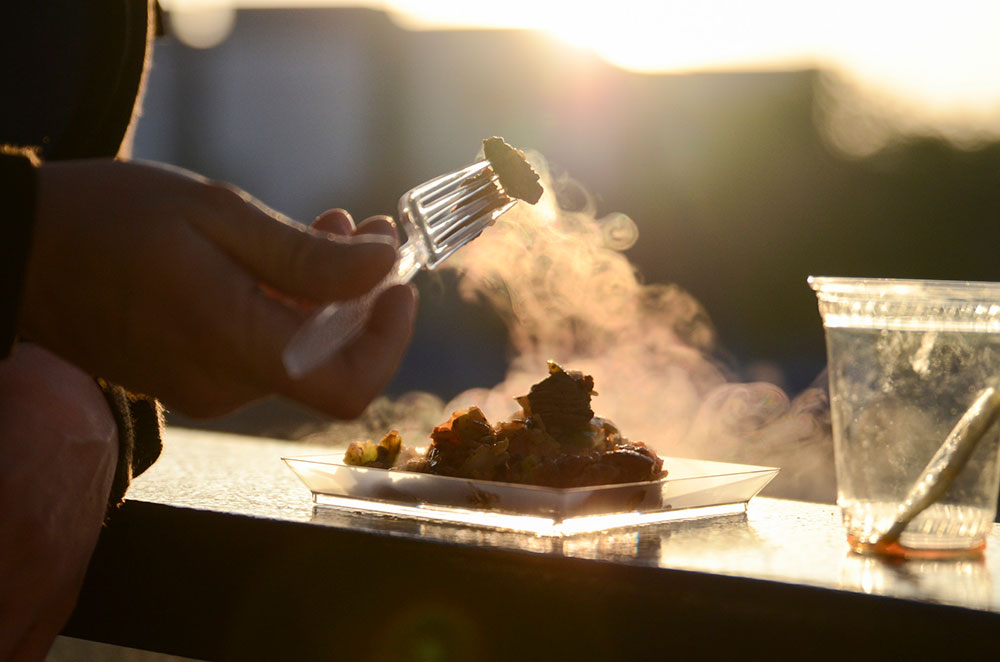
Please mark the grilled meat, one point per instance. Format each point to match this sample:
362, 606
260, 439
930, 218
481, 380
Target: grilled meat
517, 177
556, 441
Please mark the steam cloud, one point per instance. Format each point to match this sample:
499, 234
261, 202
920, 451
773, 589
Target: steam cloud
560, 280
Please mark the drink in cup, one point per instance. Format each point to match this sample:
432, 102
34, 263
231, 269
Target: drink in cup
906, 359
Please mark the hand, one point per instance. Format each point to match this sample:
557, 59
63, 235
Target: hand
58, 449
152, 278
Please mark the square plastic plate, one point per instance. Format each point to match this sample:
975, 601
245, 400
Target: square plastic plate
691, 489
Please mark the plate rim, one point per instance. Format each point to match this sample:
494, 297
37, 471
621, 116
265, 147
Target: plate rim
744, 469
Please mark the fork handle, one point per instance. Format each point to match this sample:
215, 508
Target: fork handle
335, 325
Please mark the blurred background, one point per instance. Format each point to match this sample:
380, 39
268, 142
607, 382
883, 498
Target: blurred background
753, 144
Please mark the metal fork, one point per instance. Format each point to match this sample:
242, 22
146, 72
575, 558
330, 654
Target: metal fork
439, 216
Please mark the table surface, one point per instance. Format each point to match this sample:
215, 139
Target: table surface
776, 539
779, 548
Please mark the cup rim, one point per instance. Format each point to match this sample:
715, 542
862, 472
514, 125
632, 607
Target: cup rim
848, 287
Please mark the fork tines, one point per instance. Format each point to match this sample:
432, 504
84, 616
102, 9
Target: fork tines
456, 208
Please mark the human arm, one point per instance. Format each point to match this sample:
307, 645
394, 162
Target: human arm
151, 278
155, 279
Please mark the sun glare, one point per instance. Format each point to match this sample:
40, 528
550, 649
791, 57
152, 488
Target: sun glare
927, 65
670, 37
940, 61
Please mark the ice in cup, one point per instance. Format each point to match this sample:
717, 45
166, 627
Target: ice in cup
906, 359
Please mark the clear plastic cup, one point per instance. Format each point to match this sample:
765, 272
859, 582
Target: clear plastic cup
906, 359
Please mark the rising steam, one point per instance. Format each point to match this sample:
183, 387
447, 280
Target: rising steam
559, 279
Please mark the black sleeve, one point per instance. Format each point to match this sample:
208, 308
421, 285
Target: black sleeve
140, 424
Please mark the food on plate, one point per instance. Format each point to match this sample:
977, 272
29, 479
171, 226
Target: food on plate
556, 441
381, 455
517, 177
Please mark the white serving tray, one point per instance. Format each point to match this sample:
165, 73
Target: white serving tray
691, 489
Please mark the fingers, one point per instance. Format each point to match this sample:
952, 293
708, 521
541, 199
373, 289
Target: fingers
173, 307
298, 261
338, 221
227, 351
251, 331
346, 383
335, 221
379, 225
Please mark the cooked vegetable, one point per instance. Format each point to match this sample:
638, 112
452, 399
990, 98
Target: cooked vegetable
381, 455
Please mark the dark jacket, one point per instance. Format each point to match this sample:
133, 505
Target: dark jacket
70, 75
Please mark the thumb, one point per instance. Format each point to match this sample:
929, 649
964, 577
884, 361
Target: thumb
299, 261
